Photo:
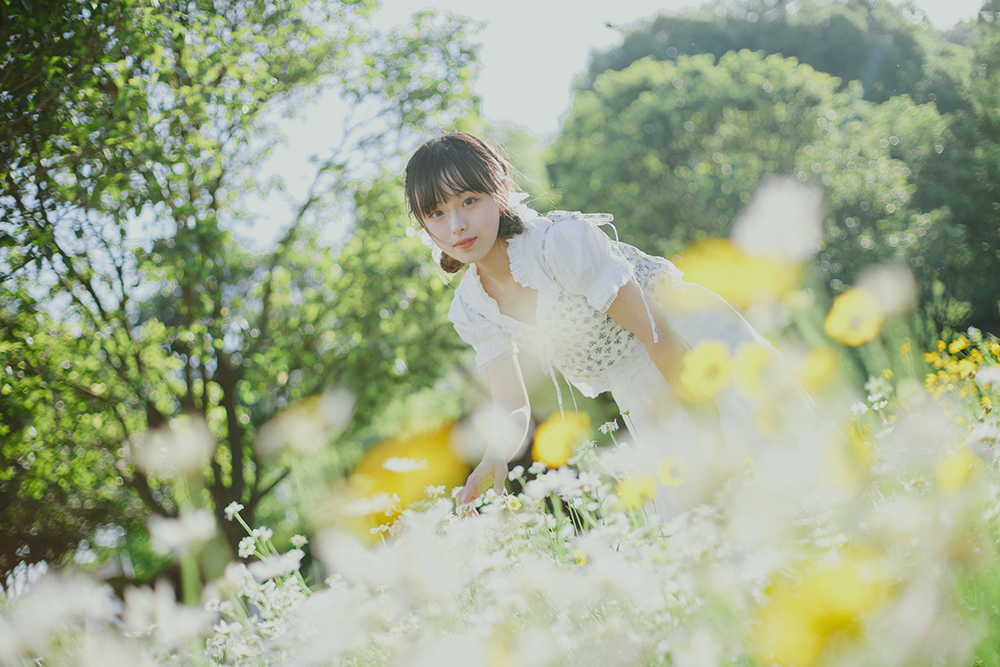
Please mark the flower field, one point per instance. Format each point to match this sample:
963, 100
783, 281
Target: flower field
235, 415
884, 553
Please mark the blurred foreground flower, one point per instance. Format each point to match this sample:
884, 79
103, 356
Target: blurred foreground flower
305, 426
636, 490
178, 535
817, 608
855, 318
739, 278
848, 462
182, 446
818, 369
156, 611
954, 470
557, 435
393, 475
783, 221
276, 566
749, 368
670, 470
705, 372
54, 604
893, 285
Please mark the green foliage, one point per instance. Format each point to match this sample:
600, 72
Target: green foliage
675, 150
159, 139
392, 326
887, 47
893, 51
64, 419
968, 172
526, 152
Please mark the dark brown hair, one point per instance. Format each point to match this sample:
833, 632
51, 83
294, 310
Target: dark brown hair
458, 162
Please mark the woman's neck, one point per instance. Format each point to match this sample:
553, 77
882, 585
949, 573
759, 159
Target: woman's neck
494, 268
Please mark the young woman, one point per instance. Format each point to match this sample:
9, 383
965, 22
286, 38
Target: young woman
606, 315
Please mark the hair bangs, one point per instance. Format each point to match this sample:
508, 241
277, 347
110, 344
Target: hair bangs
442, 171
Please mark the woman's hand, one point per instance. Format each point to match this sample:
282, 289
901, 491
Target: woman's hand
491, 470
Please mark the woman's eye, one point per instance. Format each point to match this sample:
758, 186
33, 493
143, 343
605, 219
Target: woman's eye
470, 201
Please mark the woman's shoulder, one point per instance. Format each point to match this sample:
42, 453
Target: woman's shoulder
465, 291
564, 226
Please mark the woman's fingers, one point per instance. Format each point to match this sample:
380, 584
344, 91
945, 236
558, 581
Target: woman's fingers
472, 488
488, 472
499, 476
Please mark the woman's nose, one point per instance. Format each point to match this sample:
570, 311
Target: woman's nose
458, 223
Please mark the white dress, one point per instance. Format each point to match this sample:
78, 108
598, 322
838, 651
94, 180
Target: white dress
577, 271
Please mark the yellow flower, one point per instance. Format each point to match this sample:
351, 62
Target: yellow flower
739, 278
819, 369
958, 344
995, 350
941, 346
887, 373
635, 490
750, 361
670, 470
904, 351
555, 438
405, 466
705, 371
987, 403
848, 463
952, 472
855, 317
825, 604
513, 504
580, 557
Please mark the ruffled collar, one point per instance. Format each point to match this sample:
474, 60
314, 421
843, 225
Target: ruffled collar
519, 269
518, 265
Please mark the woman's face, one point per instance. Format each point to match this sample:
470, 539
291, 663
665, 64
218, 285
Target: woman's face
465, 225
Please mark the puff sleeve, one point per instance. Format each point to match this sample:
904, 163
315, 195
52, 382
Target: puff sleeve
486, 338
583, 260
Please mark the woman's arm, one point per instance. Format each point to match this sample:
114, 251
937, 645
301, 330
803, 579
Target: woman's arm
629, 311
510, 419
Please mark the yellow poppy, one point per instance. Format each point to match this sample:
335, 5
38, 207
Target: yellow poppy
819, 368
803, 615
670, 470
855, 317
952, 472
751, 359
393, 475
705, 371
635, 490
556, 437
848, 464
739, 278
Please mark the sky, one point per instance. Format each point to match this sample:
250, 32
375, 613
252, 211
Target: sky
521, 35
532, 50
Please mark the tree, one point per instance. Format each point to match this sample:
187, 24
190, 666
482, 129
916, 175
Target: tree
891, 49
675, 149
968, 175
171, 111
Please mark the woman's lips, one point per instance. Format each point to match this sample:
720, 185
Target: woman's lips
466, 243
